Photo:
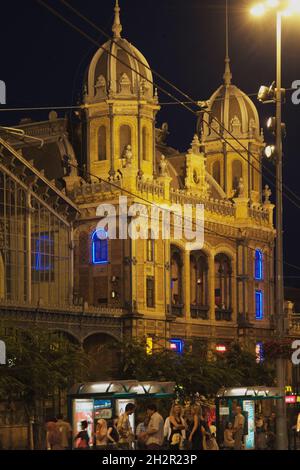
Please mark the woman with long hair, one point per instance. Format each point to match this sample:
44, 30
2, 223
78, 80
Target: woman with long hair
194, 435
177, 428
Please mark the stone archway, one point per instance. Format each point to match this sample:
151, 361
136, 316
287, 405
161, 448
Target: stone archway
103, 350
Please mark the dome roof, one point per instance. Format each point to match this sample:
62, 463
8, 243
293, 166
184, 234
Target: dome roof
233, 108
118, 69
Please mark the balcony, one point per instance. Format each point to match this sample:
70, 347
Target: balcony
177, 310
223, 314
199, 312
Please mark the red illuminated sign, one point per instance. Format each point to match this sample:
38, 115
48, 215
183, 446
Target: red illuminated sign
221, 348
291, 399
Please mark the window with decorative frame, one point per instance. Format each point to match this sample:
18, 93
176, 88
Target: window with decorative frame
100, 247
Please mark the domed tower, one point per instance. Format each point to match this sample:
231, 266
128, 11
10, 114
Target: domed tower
120, 109
230, 109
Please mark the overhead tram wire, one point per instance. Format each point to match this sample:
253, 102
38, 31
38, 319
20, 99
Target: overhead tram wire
45, 108
172, 85
54, 12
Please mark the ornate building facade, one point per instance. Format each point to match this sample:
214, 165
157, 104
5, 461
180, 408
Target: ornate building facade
54, 268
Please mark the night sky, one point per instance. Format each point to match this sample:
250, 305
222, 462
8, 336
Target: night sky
43, 62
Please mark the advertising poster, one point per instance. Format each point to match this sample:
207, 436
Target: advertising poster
103, 409
83, 410
249, 408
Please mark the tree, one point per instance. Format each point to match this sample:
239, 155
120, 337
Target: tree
38, 363
191, 370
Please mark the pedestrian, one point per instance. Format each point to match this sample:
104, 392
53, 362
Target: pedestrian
141, 430
54, 438
82, 439
228, 436
65, 430
260, 433
238, 428
177, 431
101, 434
124, 428
112, 434
154, 435
271, 432
193, 431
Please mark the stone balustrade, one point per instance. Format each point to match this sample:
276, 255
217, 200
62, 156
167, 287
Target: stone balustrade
222, 207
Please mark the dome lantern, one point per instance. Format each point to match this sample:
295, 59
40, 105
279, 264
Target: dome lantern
118, 70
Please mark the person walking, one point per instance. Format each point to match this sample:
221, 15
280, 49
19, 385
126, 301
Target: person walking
260, 433
124, 428
65, 430
238, 428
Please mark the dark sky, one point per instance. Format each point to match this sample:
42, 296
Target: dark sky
43, 62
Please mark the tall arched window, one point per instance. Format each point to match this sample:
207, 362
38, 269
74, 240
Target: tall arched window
237, 173
102, 143
176, 282
223, 286
150, 250
125, 139
100, 247
216, 172
258, 266
199, 285
199, 270
145, 144
2, 278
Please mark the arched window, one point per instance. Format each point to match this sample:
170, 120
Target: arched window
150, 250
223, 287
216, 172
237, 173
2, 277
176, 282
100, 247
145, 144
125, 139
199, 270
102, 143
259, 305
258, 265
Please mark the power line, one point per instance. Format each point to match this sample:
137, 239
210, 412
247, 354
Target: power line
191, 101
164, 91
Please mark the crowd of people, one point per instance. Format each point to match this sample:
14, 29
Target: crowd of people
186, 428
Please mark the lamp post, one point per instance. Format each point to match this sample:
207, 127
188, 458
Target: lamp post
258, 10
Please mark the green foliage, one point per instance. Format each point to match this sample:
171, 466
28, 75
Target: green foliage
37, 364
192, 370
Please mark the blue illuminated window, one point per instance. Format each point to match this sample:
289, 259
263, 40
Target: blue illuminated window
44, 251
259, 305
258, 265
176, 345
100, 247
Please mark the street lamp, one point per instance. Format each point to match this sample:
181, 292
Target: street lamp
281, 8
